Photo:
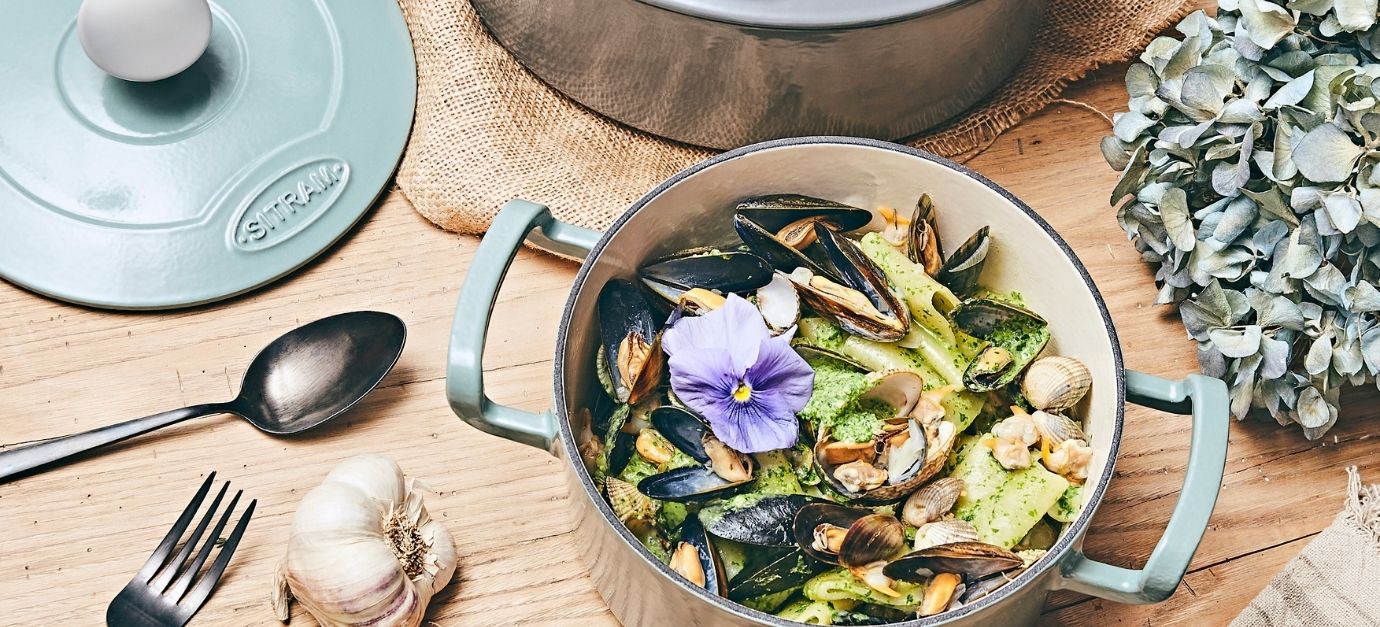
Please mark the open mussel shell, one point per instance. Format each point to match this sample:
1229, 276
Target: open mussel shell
724, 272
780, 255
923, 245
766, 521
630, 341
970, 560
998, 365
775, 212
978, 589
862, 302
683, 428
688, 484
695, 559
772, 570
960, 272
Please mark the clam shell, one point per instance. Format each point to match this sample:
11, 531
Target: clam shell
945, 532
931, 502
1057, 428
900, 389
1055, 383
627, 503
872, 538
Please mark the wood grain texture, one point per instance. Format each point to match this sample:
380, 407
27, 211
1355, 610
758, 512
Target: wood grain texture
71, 537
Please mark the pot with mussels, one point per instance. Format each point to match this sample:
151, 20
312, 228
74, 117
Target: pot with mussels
834, 381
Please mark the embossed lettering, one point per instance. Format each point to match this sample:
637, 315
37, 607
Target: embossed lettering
289, 204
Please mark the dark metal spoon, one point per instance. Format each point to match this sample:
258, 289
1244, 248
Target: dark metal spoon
304, 378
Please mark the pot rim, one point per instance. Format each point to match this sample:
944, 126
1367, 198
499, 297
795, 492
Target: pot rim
1067, 542
806, 14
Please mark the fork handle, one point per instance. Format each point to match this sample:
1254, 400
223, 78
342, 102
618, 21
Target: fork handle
16, 461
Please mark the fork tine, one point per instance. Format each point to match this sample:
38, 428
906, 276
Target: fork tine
165, 547
202, 591
185, 581
174, 565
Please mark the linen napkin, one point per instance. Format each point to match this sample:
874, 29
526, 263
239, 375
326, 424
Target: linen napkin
1336, 579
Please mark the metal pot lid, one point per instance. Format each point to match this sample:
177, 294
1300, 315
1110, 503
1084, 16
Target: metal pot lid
207, 184
804, 14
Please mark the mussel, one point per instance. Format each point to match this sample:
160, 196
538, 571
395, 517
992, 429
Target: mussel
923, 244
1015, 336
763, 521
790, 218
862, 301
632, 359
770, 570
722, 472
720, 272
695, 559
970, 560
960, 272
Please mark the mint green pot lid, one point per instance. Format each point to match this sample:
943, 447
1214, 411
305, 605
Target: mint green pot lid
208, 184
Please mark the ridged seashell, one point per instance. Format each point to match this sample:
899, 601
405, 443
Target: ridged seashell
1055, 383
945, 532
627, 503
872, 538
1057, 428
931, 502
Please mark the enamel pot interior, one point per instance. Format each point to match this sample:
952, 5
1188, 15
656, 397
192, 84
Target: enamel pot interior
696, 207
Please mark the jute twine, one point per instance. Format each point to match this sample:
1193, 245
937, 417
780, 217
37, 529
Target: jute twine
487, 131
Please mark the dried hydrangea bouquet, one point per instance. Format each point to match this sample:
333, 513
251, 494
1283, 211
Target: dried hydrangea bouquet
1248, 175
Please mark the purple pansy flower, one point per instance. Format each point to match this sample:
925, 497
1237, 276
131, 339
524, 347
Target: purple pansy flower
749, 385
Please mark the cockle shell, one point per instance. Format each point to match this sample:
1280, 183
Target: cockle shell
932, 502
946, 531
1056, 383
1057, 428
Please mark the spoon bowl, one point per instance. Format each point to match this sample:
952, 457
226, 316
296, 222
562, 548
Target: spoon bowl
319, 370
307, 376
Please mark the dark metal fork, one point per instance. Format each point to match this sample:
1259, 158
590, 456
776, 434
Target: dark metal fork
154, 598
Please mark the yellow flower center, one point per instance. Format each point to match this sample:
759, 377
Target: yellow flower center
743, 393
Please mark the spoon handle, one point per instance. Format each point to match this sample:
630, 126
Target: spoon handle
15, 461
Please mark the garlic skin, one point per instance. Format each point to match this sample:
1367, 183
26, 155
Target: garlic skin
363, 549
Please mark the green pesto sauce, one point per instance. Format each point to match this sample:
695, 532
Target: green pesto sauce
638, 469
835, 389
860, 422
670, 515
1021, 336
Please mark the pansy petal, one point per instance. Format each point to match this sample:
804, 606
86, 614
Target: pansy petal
765, 423
702, 379
737, 327
781, 370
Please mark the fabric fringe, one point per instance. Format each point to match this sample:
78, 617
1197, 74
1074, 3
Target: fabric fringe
1363, 505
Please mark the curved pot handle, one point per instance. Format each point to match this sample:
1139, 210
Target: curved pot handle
1206, 398
470, 327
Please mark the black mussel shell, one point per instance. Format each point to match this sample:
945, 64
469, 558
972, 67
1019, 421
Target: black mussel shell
762, 522
922, 246
689, 483
683, 428
970, 560
725, 272
869, 614
980, 317
774, 212
601, 411
623, 313
693, 533
987, 585
624, 444
773, 570
960, 273
861, 274
782, 257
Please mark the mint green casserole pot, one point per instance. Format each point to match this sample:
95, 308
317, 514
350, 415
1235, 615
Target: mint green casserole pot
694, 208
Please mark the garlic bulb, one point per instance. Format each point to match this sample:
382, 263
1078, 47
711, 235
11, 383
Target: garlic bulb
363, 549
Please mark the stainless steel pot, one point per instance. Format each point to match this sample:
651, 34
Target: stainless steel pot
693, 208
723, 73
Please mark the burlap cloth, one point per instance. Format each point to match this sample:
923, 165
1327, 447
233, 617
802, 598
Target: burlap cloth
1336, 579
487, 131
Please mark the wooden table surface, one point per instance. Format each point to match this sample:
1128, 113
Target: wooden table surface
71, 537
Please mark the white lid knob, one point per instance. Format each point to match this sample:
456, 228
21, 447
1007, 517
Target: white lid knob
144, 40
